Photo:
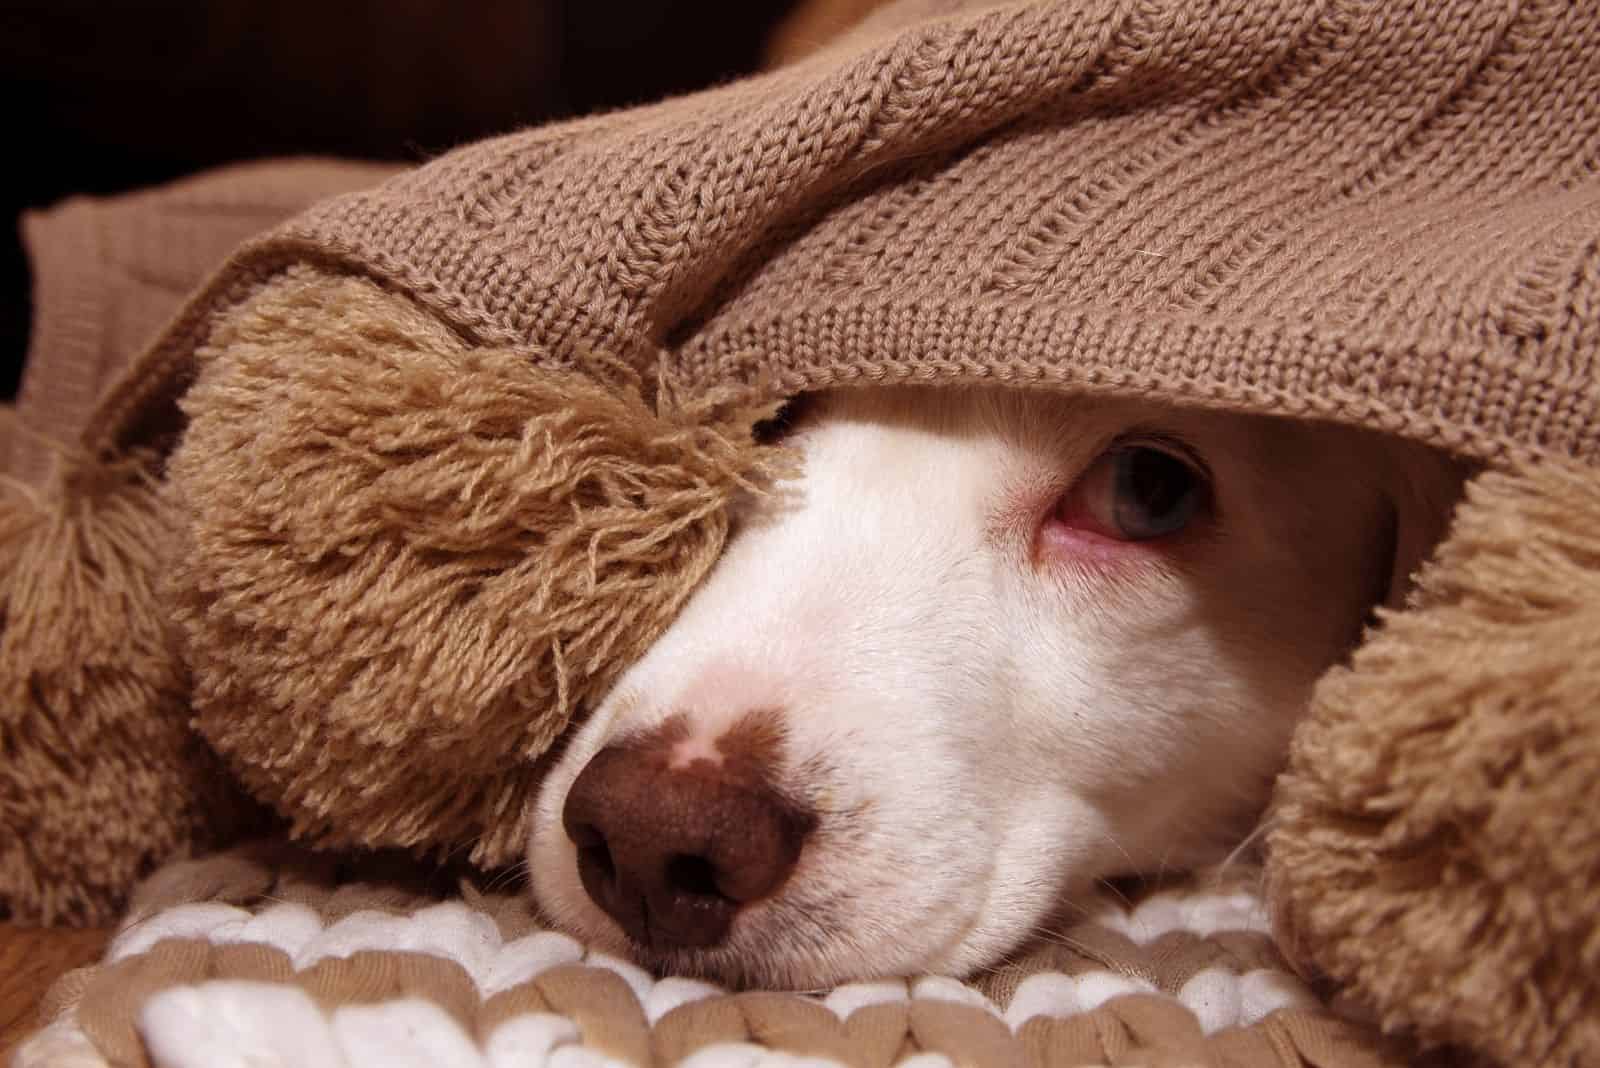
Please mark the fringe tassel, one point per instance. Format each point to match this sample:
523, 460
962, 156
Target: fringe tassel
100, 776
409, 563
1436, 846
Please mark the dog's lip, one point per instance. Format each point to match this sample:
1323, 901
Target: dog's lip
729, 960
731, 963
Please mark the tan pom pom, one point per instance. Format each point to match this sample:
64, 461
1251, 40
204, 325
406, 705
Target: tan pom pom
1436, 847
100, 775
409, 562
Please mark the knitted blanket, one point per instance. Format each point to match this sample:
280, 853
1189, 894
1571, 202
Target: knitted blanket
1377, 212
268, 956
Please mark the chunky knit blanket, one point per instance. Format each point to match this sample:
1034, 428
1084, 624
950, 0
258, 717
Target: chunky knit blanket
266, 956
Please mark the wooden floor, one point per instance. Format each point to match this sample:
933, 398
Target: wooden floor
30, 960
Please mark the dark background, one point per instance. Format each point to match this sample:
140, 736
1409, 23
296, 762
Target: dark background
110, 95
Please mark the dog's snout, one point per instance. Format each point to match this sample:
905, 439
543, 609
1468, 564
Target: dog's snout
673, 851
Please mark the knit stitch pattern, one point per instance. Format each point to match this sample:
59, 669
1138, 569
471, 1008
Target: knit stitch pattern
1378, 212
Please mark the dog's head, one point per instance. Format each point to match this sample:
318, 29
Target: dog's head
988, 647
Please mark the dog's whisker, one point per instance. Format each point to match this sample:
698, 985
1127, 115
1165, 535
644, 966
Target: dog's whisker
1066, 941
1115, 891
1116, 843
1073, 905
508, 876
1245, 845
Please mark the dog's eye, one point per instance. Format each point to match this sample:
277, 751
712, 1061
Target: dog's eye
1135, 492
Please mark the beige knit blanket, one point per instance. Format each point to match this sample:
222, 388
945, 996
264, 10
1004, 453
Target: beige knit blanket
268, 956
109, 273
1376, 211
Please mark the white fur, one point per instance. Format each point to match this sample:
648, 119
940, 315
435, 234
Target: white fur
983, 728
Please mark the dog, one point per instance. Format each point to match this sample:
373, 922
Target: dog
989, 647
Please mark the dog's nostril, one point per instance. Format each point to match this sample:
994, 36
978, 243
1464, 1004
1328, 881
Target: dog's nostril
593, 852
597, 858
690, 874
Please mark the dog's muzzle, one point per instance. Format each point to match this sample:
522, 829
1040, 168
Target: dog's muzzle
672, 849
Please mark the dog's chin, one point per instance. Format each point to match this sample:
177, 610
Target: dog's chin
806, 972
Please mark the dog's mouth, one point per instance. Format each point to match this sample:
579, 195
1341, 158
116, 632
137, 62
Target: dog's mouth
787, 945
794, 956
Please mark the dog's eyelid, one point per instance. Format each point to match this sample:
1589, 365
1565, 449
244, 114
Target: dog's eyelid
1164, 441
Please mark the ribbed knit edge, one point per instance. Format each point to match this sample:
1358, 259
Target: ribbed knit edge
68, 278
1293, 371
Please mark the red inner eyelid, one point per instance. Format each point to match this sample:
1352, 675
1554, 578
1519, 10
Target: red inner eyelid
1071, 528
1077, 540
1076, 507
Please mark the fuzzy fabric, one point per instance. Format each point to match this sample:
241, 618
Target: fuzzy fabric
376, 515
1435, 845
101, 776
96, 723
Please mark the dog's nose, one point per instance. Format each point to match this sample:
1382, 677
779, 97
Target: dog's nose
672, 853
